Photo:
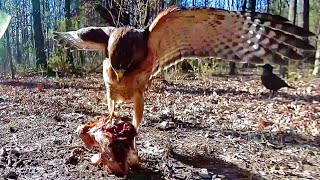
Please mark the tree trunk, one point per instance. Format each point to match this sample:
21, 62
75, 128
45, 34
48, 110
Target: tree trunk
25, 35
269, 5
4, 60
244, 5
292, 11
232, 68
253, 4
283, 71
232, 65
132, 18
147, 15
206, 3
304, 21
18, 50
317, 61
78, 26
8, 54
292, 17
38, 35
304, 14
68, 28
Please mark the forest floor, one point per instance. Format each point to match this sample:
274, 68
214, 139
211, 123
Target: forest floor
226, 128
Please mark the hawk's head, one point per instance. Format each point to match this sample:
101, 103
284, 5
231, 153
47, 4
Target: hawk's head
127, 48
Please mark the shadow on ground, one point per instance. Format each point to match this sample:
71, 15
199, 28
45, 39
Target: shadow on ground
206, 91
227, 76
272, 139
215, 166
52, 85
142, 173
307, 98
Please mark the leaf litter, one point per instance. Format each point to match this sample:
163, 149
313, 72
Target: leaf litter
221, 127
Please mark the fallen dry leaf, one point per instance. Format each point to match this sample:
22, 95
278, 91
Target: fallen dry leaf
263, 123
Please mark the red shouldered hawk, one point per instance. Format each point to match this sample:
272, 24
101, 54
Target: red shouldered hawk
136, 55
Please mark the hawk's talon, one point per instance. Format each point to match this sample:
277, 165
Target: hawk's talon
112, 115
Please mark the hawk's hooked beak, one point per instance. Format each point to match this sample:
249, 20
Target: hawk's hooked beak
119, 74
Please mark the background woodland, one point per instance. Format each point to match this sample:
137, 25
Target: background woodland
220, 126
28, 44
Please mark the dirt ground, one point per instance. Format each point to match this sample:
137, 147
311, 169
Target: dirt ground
226, 128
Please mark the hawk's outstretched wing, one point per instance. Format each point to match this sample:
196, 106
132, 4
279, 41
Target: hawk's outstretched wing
241, 37
89, 38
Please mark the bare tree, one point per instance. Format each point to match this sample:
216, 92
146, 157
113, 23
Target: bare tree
252, 6
38, 35
292, 11
68, 28
317, 61
8, 54
283, 71
304, 8
18, 55
78, 11
269, 4
244, 5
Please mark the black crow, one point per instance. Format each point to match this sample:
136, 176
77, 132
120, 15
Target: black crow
272, 81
